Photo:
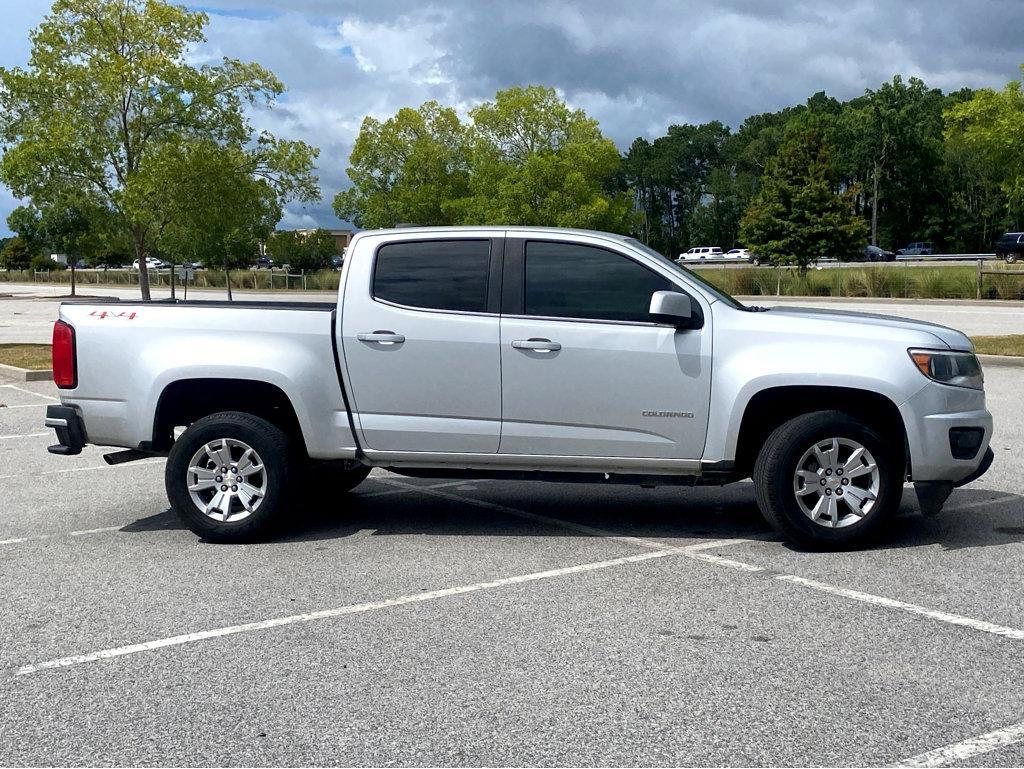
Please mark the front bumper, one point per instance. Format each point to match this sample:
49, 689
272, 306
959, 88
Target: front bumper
70, 431
929, 416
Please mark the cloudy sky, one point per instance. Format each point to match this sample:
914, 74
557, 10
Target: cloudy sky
635, 66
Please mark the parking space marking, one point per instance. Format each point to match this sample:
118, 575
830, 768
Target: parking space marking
359, 608
32, 392
126, 465
876, 600
54, 535
25, 406
942, 616
959, 752
25, 435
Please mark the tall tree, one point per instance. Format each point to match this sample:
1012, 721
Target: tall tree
218, 207
408, 168
536, 161
110, 83
992, 124
799, 214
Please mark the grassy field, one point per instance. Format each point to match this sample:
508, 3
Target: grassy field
888, 281
30, 356
1012, 344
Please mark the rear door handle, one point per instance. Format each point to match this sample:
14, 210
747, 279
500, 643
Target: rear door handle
381, 337
538, 345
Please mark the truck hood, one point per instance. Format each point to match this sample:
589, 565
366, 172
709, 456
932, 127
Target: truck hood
949, 337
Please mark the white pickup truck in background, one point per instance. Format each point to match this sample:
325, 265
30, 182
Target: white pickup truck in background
523, 353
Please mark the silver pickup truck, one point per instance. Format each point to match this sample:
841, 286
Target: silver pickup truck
525, 353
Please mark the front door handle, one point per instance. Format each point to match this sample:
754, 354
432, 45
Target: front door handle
537, 345
381, 337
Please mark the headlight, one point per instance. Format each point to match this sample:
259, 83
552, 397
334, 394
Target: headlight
960, 369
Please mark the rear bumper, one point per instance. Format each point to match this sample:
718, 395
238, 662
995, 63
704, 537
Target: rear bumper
68, 426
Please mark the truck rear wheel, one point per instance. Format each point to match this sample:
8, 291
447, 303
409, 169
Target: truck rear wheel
227, 476
827, 481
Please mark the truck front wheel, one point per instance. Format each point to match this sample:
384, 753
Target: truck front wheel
227, 476
825, 480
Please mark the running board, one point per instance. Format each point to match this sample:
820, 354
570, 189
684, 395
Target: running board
129, 455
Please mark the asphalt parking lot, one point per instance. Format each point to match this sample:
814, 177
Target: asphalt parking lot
498, 623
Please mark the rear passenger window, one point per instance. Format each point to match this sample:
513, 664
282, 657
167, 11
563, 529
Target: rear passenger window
434, 274
566, 280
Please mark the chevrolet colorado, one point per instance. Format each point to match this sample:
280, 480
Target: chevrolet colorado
523, 353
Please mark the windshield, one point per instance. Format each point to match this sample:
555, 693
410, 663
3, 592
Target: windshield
690, 274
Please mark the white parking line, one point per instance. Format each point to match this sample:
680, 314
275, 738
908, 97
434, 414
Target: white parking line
251, 627
23, 406
32, 392
959, 752
125, 466
55, 535
25, 435
876, 600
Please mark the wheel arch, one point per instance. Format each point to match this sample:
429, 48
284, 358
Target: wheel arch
769, 408
185, 401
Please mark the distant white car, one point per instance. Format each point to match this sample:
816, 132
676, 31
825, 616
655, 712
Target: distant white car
152, 263
701, 252
740, 254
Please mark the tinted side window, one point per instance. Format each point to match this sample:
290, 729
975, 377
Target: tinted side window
434, 274
566, 280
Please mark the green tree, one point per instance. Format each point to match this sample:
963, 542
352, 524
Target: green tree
110, 83
409, 168
526, 159
218, 205
16, 254
319, 248
992, 124
534, 161
799, 214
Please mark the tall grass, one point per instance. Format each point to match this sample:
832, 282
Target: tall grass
890, 281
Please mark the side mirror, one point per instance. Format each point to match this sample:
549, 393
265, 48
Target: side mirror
675, 308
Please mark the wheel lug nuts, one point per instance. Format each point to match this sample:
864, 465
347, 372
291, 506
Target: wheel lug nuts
828, 492
235, 488
219, 479
223, 488
839, 492
828, 472
839, 471
238, 479
823, 481
223, 469
846, 481
234, 470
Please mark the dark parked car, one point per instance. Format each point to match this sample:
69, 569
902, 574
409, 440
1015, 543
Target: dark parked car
916, 249
1010, 247
264, 263
876, 254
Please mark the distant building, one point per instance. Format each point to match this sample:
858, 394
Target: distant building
341, 237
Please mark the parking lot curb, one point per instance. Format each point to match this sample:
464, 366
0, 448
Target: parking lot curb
26, 374
1008, 361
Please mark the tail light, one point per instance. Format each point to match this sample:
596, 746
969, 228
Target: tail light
65, 368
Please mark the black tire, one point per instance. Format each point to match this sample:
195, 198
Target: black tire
1011, 258
776, 467
274, 448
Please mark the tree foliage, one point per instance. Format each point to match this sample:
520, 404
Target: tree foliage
525, 158
109, 97
799, 214
991, 123
302, 251
16, 254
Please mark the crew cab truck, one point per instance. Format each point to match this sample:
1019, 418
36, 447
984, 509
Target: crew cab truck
522, 353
